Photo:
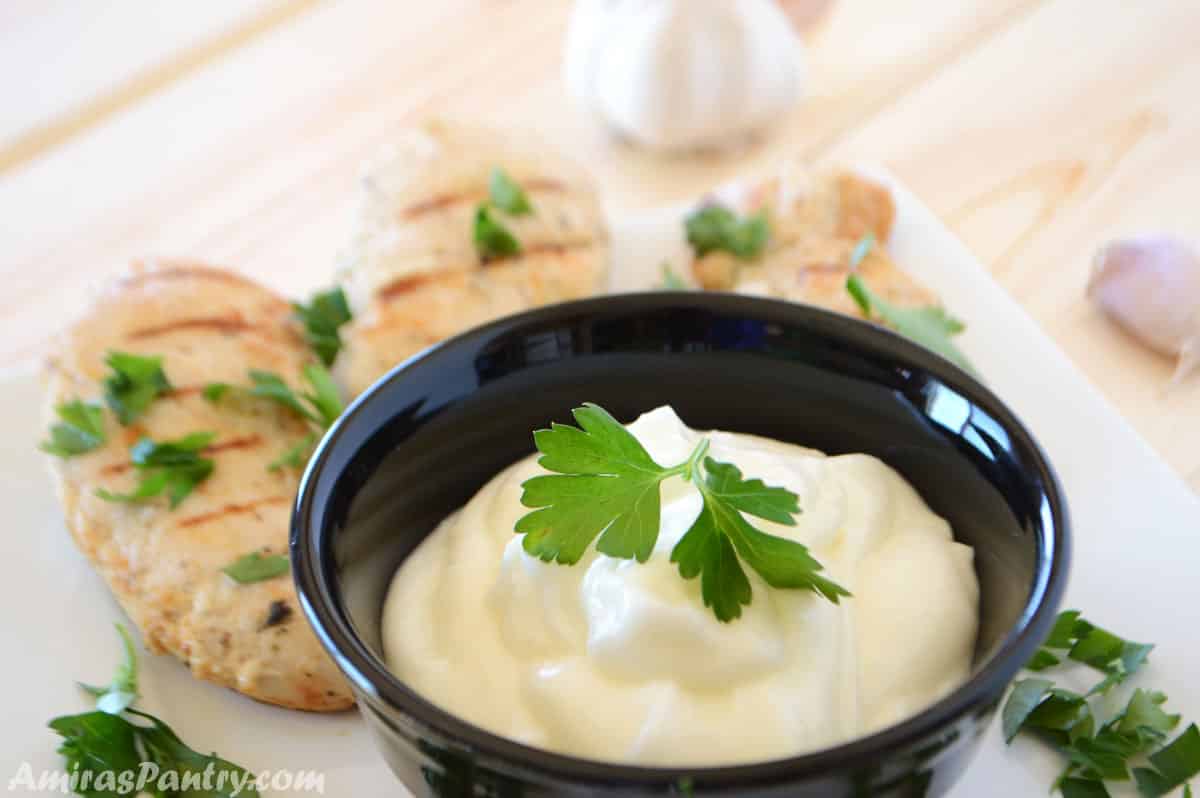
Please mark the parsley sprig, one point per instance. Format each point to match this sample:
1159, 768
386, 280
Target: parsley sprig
322, 318
174, 467
606, 484
105, 750
134, 382
492, 237
1097, 752
714, 227
80, 429
931, 327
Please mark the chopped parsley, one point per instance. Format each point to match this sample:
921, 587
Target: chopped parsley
134, 382
931, 327
256, 567
505, 194
295, 456
492, 238
1098, 751
320, 405
80, 429
322, 318
715, 228
174, 467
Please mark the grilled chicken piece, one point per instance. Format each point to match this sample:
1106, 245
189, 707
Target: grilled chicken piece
815, 226
164, 565
412, 273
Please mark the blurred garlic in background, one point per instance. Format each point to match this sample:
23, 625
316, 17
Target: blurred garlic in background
683, 74
1151, 286
804, 14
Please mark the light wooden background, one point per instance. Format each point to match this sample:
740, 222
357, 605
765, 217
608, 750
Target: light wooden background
232, 130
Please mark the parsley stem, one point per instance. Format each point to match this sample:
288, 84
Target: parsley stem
691, 468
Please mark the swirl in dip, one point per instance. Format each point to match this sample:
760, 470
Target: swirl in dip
614, 660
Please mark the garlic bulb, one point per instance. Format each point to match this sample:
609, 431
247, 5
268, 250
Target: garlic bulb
805, 13
1151, 286
683, 74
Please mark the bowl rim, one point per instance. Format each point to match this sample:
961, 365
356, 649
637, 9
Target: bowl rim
316, 585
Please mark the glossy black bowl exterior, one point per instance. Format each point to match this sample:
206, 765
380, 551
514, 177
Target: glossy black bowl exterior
425, 438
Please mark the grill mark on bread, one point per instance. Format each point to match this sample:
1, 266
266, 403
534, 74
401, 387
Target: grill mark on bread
402, 285
437, 202
244, 442
233, 508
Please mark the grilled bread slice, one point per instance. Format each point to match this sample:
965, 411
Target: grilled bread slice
412, 272
164, 565
816, 224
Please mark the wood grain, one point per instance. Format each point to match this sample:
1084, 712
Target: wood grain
1038, 128
1045, 156
251, 161
66, 66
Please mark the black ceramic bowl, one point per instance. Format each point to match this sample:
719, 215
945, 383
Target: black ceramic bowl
420, 443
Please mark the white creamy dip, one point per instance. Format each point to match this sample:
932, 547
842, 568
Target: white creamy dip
620, 661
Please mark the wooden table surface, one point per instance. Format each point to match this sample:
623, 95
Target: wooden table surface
232, 131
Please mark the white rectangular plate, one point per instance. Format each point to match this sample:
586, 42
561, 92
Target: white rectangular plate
1137, 549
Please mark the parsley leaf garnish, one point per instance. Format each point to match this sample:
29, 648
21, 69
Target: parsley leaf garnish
80, 430
256, 567
606, 484
175, 467
134, 383
721, 531
492, 238
322, 317
105, 751
506, 195
715, 227
931, 327
123, 691
1098, 752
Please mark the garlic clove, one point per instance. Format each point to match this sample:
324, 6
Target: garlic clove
1150, 285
